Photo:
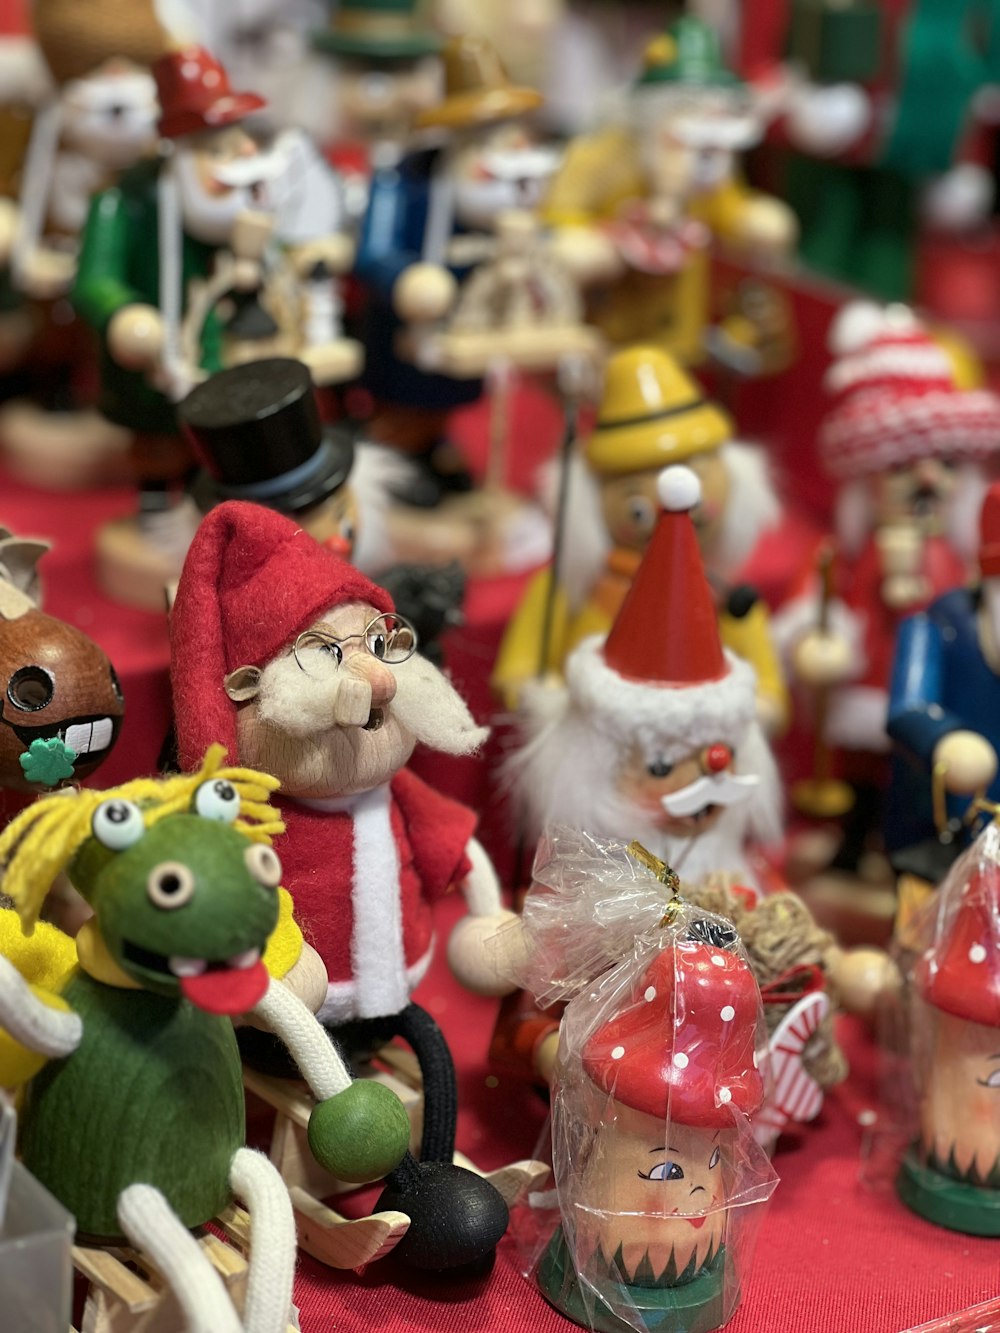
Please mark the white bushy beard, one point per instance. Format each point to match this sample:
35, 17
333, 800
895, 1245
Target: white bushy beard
478, 203
566, 769
854, 515
752, 509
209, 218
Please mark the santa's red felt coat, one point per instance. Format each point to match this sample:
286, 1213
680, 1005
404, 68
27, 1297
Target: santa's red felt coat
363, 873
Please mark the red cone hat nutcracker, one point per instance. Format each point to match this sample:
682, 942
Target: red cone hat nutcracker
656, 731
951, 1174
652, 1149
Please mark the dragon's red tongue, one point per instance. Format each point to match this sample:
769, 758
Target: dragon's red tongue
227, 990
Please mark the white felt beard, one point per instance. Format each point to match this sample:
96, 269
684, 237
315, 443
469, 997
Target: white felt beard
208, 218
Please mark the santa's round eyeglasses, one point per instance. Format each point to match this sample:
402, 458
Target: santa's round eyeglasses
390, 638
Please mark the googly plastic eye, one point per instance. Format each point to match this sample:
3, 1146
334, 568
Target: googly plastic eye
263, 864
117, 824
170, 884
217, 799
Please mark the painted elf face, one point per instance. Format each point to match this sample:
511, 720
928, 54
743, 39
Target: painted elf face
652, 1201
221, 174
110, 116
497, 170
919, 492
630, 503
960, 1099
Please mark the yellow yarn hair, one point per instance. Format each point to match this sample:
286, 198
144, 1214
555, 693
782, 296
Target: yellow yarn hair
42, 840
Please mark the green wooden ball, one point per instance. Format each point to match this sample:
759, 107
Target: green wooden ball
360, 1134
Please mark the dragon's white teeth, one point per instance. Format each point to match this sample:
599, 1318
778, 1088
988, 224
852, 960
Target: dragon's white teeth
187, 967
248, 958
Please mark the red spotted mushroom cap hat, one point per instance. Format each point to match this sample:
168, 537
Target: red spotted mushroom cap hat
960, 972
685, 1046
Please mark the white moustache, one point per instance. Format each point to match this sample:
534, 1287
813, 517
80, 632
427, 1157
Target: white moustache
733, 133
250, 170
522, 163
715, 789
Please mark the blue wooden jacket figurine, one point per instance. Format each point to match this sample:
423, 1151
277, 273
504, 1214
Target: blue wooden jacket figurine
944, 702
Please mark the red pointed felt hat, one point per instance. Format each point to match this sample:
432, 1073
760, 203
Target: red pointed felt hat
684, 1048
194, 93
960, 972
252, 581
667, 632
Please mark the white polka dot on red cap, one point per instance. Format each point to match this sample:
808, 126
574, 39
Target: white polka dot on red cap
977, 954
718, 960
725, 1095
680, 1060
727, 1014
650, 994
191, 69
617, 1052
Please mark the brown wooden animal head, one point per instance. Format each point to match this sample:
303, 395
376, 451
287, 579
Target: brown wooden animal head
61, 705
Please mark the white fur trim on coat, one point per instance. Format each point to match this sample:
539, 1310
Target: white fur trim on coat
670, 720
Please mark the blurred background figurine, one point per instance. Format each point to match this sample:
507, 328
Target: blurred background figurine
944, 705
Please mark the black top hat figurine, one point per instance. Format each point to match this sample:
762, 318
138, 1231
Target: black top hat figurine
256, 430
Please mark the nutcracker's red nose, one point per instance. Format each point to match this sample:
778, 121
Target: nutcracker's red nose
339, 545
716, 758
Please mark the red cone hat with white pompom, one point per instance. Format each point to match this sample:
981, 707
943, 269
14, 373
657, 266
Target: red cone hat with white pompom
685, 1046
667, 630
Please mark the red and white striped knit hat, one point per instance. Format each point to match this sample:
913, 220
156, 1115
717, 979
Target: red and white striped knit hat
895, 398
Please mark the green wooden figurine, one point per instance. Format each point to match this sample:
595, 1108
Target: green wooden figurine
136, 1122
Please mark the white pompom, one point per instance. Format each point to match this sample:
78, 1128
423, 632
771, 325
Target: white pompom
854, 326
679, 489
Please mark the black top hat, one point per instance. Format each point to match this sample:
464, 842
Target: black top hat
256, 430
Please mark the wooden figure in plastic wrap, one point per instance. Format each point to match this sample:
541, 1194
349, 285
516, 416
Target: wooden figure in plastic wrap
652, 414
62, 704
657, 1172
133, 1109
944, 703
909, 452
301, 665
638, 203
429, 216
951, 1175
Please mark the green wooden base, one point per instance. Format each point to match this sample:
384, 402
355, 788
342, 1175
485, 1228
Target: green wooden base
699, 1306
947, 1202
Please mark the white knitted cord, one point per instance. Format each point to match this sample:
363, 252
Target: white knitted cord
155, 1229
310, 1047
51, 1032
257, 1183
481, 889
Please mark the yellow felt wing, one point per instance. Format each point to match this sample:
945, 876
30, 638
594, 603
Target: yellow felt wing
46, 960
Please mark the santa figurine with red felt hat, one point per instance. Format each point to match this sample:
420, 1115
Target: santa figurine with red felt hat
653, 1154
300, 666
951, 1174
655, 732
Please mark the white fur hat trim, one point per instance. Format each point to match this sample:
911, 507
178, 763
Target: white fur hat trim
671, 720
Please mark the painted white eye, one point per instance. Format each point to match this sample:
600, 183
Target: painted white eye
217, 799
263, 864
117, 824
170, 885
714, 1159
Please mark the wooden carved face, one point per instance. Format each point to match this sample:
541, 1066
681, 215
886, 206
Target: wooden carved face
62, 705
652, 1200
960, 1098
630, 504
